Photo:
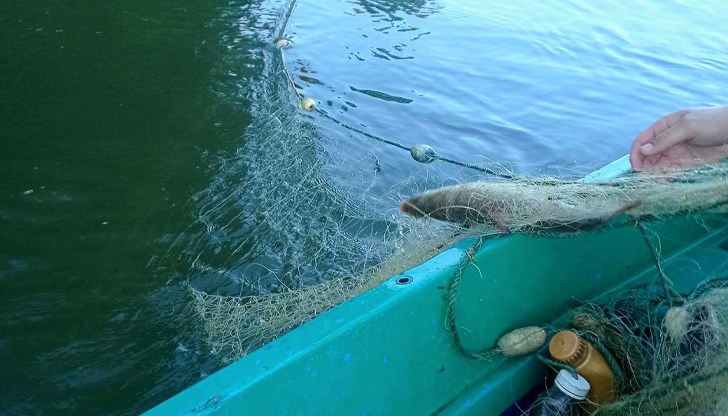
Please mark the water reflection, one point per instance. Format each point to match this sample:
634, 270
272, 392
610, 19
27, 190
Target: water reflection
388, 10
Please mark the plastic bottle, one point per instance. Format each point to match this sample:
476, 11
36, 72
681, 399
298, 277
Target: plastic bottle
562, 398
579, 353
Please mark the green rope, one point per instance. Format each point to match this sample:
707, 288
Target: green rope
556, 364
452, 295
613, 365
673, 295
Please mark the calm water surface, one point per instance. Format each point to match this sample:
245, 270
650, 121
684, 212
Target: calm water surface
116, 117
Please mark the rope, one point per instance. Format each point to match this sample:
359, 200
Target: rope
556, 364
619, 376
392, 143
362, 132
613, 365
284, 23
475, 167
468, 258
673, 295
452, 294
406, 148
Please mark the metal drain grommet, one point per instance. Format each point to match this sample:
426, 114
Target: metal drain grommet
404, 280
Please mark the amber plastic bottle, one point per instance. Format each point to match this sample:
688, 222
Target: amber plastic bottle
579, 353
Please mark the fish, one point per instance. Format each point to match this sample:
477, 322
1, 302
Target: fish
521, 206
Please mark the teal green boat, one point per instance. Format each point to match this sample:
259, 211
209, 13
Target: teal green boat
389, 350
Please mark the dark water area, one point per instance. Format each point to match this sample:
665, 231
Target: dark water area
112, 114
119, 121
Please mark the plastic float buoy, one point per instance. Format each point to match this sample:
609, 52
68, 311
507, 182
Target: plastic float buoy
423, 153
283, 43
308, 104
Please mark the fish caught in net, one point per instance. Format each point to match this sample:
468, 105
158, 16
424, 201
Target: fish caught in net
533, 205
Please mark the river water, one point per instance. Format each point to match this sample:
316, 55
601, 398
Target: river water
119, 121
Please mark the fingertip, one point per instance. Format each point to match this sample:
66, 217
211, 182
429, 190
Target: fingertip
647, 148
636, 161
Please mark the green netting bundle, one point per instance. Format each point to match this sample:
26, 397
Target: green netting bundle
675, 358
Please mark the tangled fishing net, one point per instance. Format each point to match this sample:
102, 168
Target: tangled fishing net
668, 352
281, 240
283, 243
333, 246
674, 357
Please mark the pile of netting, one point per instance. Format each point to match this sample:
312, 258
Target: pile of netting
287, 229
672, 349
667, 351
237, 324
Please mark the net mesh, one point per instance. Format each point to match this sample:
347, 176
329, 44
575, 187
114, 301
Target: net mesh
675, 359
282, 240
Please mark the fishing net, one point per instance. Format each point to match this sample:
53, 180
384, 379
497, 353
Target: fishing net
298, 219
282, 238
675, 358
668, 352
283, 241
283, 234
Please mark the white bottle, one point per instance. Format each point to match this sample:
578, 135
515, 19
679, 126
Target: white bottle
563, 397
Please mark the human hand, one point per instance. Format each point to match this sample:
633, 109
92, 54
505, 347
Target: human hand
682, 139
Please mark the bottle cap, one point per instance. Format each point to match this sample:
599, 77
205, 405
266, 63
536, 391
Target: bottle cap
574, 387
567, 347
